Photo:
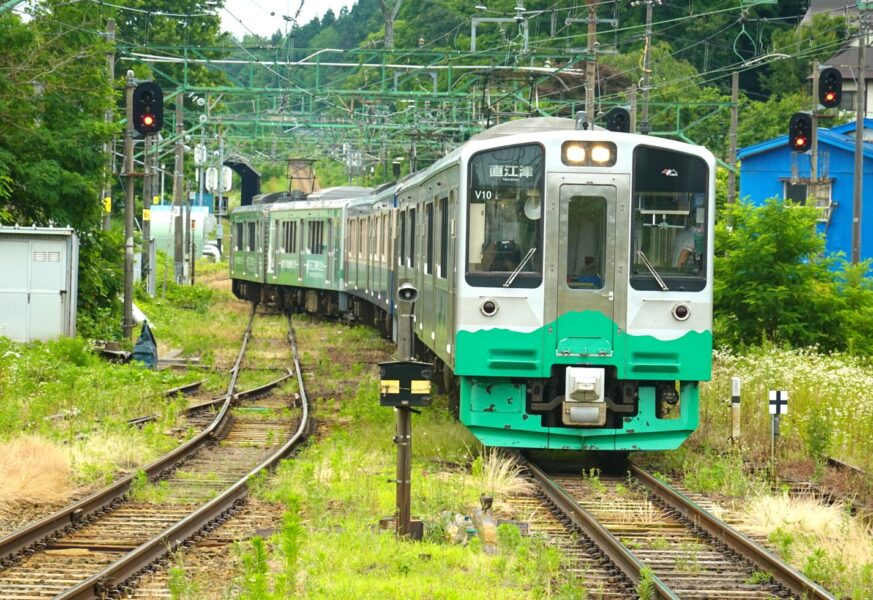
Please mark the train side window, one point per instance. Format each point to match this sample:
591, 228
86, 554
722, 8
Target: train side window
442, 266
251, 237
378, 222
410, 261
316, 237
429, 240
402, 252
239, 236
385, 237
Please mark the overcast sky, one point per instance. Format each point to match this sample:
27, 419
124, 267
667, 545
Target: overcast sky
264, 17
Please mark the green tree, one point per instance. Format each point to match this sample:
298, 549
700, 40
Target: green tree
771, 281
816, 41
53, 97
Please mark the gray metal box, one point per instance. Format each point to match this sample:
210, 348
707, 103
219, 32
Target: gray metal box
39, 272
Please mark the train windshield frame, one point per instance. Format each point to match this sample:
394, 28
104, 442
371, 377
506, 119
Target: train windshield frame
669, 221
504, 217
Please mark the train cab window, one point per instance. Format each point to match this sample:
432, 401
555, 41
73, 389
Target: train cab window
586, 244
668, 221
504, 218
251, 238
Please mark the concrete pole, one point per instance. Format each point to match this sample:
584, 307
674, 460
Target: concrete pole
632, 100
645, 127
813, 153
591, 64
732, 137
127, 325
109, 147
178, 193
147, 193
859, 145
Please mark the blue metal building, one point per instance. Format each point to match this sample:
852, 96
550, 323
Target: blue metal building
771, 169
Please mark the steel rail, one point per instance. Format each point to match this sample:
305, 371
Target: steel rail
112, 579
792, 580
239, 396
605, 541
40, 532
844, 466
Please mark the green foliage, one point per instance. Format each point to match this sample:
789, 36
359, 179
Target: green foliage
255, 571
101, 282
818, 40
645, 589
818, 436
711, 473
823, 568
771, 281
784, 542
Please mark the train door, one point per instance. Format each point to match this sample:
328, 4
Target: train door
586, 248
301, 265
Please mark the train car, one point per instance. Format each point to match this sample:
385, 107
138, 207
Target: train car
564, 277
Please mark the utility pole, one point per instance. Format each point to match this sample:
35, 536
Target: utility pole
390, 14
591, 63
109, 147
861, 99
178, 184
732, 138
147, 193
632, 100
813, 150
127, 325
645, 127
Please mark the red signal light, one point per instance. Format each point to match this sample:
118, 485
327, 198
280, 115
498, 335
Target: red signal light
830, 96
800, 141
148, 120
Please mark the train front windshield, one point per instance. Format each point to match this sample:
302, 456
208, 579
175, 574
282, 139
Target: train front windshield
504, 234
669, 221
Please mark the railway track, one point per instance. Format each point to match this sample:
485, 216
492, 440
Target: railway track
101, 545
662, 541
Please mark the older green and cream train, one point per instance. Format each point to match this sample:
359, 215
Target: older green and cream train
564, 278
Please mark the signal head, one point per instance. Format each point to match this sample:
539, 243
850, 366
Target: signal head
800, 132
148, 108
830, 87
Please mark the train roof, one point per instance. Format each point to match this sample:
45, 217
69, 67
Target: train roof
531, 125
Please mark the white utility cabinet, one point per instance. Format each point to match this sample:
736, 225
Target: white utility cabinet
39, 270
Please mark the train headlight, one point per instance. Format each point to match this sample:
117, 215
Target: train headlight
574, 154
681, 312
578, 153
601, 154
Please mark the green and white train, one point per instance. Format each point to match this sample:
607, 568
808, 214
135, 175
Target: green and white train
564, 278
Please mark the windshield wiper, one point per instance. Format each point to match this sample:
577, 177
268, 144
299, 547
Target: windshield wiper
652, 270
520, 266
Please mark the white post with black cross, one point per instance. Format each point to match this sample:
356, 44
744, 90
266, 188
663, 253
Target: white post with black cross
778, 406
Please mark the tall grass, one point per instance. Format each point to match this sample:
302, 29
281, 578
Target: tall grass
830, 407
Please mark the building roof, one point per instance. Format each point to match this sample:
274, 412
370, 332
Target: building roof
846, 60
840, 137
